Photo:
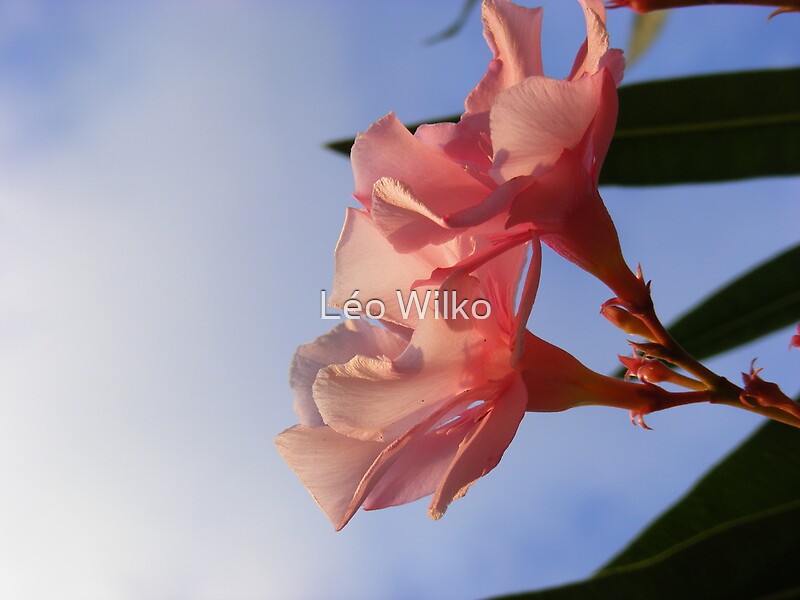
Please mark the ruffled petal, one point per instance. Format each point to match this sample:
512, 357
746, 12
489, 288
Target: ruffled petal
329, 464
405, 221
514, 36
536, 120
548, 201
420, 468
483, 447
343, 342
379, 399
342, 472
404, 484
597, 42
495, 203
388, 149
372, 399
604, 123
366, 261
369, 399
466, 142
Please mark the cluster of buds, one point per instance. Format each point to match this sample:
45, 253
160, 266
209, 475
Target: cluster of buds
660, 359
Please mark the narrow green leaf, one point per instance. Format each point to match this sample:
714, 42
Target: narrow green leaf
644, 31
761, 474
710, 128
736, 534
753, 557
699, 129
760, 302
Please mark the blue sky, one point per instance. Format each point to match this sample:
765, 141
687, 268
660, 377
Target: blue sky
167, 219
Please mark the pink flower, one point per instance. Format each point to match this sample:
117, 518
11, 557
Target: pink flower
386, 420
526, 154
427, 405
795, 341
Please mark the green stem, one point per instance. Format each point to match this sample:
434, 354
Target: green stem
643, 6
719, 386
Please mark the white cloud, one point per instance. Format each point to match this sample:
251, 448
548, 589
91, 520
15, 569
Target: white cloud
138, 374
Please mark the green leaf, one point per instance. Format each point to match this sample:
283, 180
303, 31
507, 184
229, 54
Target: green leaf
699, 129
711, 128
735, 535
760, 302
750, 558
644, 31
763, 473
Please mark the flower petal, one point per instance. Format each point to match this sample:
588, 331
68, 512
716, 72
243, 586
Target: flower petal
367, 262
483, 447
420, 468
596, 44
329, 464
371, 399
466, 142
514, 36
388, 149
379, 399
343, 342
403, 483
403, 220
604, 123
495, 203
535, 121
549, 200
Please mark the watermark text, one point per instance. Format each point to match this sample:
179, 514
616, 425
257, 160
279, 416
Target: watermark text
436, 304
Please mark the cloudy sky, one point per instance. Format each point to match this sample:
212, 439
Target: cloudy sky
167, 219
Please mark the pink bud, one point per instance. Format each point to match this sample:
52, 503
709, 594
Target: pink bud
624, 320
766, 398
647, 370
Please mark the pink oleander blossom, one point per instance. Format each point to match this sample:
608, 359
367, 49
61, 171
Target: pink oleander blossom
526, 154
385, 420
394, 419
427, 405
421, 404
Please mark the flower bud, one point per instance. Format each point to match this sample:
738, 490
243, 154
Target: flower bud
624, 320
646, 370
